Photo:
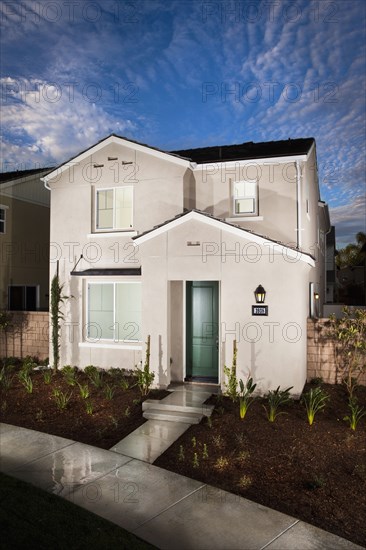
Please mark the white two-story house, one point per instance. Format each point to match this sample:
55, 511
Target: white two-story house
177, 245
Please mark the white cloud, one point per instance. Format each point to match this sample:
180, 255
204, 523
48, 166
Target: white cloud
52, 122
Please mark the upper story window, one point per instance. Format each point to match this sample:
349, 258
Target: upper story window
114, 209
2, 219
245, 201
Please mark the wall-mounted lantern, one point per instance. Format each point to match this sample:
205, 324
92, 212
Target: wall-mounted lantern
260, 294
316, 296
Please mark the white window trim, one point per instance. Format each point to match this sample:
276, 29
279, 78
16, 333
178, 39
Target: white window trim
112, 234
241, 218
233, 199
114, 229
106, 342
5, 208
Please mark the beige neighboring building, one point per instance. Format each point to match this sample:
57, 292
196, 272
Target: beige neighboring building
175, 244
24, 241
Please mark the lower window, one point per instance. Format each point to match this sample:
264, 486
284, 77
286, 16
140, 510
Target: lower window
114, 311
23, 298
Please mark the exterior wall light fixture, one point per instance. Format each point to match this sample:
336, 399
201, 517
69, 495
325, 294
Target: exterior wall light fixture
260, 294
316, 296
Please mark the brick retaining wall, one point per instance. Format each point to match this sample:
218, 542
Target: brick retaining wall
29, 335
322, 361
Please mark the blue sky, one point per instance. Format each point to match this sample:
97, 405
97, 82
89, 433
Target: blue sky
182, 74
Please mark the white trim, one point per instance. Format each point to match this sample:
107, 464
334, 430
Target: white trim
238, 232
112, 234
184, 329
264, 160
245, 219
119, 141
96, 191
5, 206
136, 347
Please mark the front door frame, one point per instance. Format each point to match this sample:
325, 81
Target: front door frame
185, 281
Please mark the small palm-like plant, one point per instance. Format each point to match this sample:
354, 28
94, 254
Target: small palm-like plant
62, 399
109, 391
315, 400
26, 380
84, 390
47, 376
276, 398
356, 413
69, 374
245, 396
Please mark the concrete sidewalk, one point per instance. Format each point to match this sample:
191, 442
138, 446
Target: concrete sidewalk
165, 509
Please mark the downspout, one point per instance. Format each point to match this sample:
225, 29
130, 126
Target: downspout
298, 204
46, 184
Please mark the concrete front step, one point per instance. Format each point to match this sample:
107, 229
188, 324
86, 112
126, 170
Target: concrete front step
202, 409
173, 416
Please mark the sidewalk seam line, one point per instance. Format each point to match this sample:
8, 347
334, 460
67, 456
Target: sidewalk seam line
168, 507
280, 534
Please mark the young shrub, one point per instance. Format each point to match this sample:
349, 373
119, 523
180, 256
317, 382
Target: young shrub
194, 442
243, 456
109, 391
47, 376
245, 396
195, 463
95, 375
181, 456
315, 400
69, 374
356, 413
84, 390
124, 384
276, 398
88, 407
221, 463
205, 452
62, 399
127, 412
26, 380
245, 482
5, 379
230, 373
57, 300
144, 377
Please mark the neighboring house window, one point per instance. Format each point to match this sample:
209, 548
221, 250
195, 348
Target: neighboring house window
23, 298
245, 198
114, 311
2, 220
114, 208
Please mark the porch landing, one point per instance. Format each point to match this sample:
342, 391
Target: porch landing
167, 420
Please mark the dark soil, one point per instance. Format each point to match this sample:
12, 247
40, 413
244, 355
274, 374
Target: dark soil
111, 421
315, 473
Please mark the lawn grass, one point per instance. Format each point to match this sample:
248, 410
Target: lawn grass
32, 518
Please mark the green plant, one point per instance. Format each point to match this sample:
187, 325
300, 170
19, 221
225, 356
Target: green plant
95, 375
349, 334
144, 377
205, 452
26, 380
6, 379
89, 407
47, 376
221, 463
315, 400
114, 421
127, 412
245, 396
181, 455
230, 373
136, 401
39, 415
29, 363
124, 383
62, 399
217, 441
356, 413
195, 462
84, 390
243, 456
69, 374
315, 482
57, 299
109, 391
276, 398
194, 442
245, 482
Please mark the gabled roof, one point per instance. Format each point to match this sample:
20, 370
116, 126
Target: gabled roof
5, 177
114, 138
248, 150
291, 252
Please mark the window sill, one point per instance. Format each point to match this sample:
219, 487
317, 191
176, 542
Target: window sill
128, 345
245, 219
112, 234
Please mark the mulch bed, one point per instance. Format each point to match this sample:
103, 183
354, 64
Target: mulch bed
315, 473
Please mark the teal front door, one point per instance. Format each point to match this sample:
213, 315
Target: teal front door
202, 324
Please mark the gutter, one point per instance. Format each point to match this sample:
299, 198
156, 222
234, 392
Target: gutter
298, 204
45, 183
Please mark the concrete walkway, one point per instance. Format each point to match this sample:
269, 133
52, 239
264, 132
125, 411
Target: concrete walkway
165, 509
